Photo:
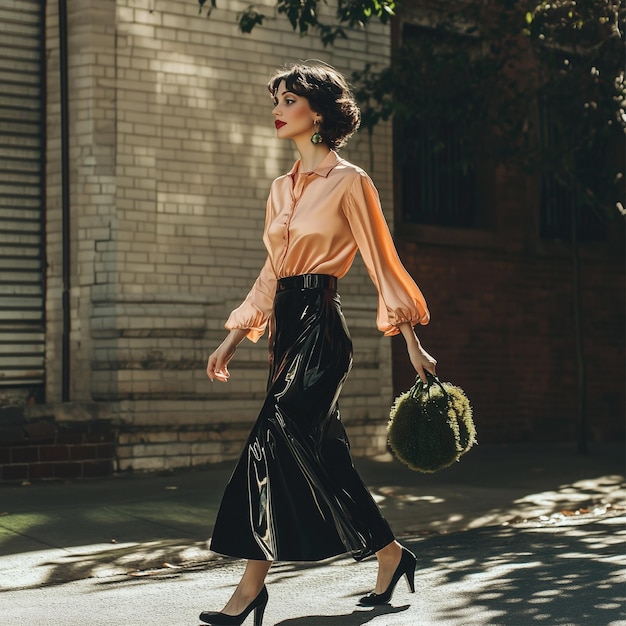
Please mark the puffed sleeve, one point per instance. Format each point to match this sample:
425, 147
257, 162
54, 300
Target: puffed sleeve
399, 298
252, 314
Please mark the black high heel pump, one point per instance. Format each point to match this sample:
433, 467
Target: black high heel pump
215, 618
406, 567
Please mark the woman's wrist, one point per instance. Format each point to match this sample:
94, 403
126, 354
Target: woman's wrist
409, 334
236, 336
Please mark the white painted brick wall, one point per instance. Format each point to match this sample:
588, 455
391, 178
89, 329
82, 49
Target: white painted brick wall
173, 150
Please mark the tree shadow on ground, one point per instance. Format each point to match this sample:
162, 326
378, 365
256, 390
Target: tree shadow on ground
572, 575
161, 526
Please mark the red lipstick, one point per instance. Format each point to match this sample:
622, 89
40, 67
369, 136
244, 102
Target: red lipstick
279, 124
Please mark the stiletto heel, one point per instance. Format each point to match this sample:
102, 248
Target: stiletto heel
405, 568
215, 618
258, 615
410, 576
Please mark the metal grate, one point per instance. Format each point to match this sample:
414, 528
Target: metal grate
558, 204
21, 212
437, 186
438, 179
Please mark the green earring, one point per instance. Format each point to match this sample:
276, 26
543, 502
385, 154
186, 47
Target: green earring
316, 137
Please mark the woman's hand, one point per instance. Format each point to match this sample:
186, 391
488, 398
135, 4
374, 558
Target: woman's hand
217, 367
420, 359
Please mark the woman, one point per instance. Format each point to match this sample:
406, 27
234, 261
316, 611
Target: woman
295, 495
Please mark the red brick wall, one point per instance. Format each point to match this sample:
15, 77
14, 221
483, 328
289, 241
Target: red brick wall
43, 449
503, 329
502, 308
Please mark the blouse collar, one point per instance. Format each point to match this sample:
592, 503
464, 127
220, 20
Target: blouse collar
324, 167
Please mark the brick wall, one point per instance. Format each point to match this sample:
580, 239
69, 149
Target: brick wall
172, 154
38, 445
503, 325
501, 300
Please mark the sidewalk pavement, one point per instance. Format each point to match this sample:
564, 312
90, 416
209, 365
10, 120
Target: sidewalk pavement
516, 534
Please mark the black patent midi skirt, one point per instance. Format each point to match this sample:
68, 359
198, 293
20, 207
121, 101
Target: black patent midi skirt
295, 494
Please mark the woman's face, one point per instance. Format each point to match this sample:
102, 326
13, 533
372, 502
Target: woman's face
293, 115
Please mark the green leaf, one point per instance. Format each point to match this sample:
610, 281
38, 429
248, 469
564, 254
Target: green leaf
249, 19
203, 2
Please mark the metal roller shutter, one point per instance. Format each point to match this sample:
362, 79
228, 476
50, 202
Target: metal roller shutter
21, 194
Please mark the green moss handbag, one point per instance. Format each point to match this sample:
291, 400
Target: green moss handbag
430, 425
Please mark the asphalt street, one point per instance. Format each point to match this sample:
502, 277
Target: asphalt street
511, 535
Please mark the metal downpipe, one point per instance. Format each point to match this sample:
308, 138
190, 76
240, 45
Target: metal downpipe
65, 202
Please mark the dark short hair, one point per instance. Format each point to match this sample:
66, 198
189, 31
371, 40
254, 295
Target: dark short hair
328, 94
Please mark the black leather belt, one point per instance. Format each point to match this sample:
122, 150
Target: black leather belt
307, 281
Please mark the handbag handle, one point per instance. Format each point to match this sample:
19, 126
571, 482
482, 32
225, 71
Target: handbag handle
430, 380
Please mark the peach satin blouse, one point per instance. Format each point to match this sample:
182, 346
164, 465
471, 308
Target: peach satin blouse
315, 222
